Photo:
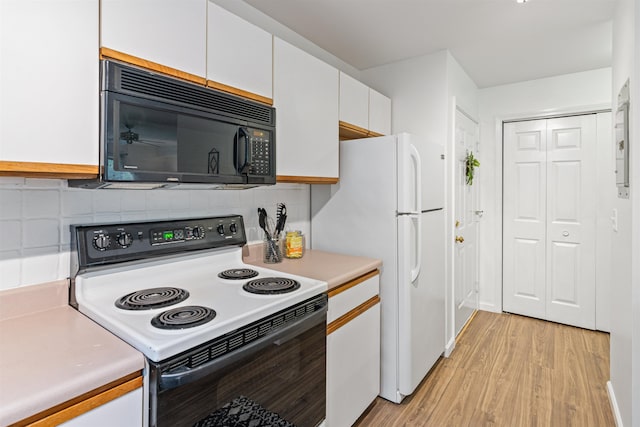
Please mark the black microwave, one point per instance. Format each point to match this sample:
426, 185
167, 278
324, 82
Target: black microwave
161, 132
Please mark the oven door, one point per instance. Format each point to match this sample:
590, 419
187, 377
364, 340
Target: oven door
275, 380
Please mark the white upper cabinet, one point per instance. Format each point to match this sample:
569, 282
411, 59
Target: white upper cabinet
379, 113
305, 94
354, 101
363, 111
239, 54
49, 79
172, 33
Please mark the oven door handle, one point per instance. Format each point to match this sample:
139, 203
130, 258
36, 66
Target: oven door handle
188, 375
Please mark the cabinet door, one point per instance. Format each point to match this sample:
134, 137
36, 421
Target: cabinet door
49, 81
379, 113
239, 54
306, 99
125, 411
354, 101
172, 33
353, 368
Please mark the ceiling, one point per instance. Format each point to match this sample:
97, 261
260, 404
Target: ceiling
495, 41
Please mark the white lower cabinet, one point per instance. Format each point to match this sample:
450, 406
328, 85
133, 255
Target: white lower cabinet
353, 351
124, 411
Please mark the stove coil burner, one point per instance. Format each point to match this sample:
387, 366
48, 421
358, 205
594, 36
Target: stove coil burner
271, 286
183, 317
147, 299
238, 274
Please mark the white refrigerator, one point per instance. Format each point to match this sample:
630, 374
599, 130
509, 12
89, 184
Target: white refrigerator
388, 205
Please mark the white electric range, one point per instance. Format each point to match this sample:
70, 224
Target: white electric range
179, 292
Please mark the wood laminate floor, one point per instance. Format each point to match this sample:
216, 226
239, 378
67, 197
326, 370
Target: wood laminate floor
512, 371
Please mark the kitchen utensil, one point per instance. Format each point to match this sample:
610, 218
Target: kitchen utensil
262, 221
281, 218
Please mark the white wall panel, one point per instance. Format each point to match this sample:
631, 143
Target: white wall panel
529, 204
565, 274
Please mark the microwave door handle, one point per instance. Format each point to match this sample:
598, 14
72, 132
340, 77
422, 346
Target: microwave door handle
242, 151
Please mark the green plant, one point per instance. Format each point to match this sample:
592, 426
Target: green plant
471, 163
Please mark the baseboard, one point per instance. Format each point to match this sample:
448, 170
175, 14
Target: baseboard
451, 345
489, 307
614, 404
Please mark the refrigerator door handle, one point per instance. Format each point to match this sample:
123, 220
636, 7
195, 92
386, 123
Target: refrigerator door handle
409, 178
417, 186
415, 269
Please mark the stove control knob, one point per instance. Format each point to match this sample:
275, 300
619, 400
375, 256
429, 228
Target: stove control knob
220, 229
233, 227
196, 232
101, 242
125, 240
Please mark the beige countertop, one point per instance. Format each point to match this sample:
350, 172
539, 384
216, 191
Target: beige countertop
50, 353
335, 269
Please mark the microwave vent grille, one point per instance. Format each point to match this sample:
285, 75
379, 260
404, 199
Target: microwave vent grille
189, 95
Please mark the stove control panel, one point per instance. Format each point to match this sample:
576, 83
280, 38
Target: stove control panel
113, 243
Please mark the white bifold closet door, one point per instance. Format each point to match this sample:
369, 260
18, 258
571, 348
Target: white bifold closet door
549, 202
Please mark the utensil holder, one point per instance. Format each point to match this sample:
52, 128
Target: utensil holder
272, 251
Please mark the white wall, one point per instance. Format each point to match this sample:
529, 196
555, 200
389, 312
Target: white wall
35, 215
568, 93
624, 290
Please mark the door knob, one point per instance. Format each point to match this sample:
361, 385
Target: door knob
459, 239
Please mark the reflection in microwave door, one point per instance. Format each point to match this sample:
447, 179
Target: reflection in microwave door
119, 175
213, 167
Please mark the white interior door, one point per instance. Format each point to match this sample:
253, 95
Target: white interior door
549, 219
524, 206
466, 227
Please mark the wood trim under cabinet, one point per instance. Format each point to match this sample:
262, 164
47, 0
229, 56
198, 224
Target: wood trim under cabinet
306, 179
106, 53
243, 93
346, 318
350, 284
348, 131
48, 170
84, 403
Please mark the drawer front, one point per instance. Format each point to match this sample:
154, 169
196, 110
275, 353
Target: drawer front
348, 296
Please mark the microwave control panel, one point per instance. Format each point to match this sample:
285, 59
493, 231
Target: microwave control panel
261, 152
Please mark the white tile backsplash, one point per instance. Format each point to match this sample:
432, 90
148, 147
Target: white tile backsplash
11, 232
41, 203
10, 204
35, 215
10, 269
41, 265
38, 233
76, 203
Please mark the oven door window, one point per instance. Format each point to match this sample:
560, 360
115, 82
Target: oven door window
282, 384
149, 142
